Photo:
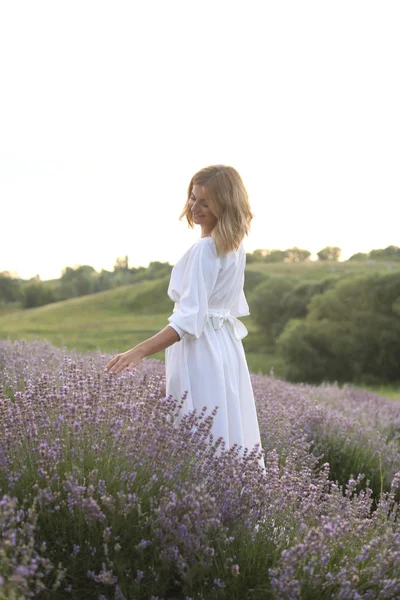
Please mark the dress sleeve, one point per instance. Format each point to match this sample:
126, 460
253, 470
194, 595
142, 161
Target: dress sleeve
240, 307
200, 276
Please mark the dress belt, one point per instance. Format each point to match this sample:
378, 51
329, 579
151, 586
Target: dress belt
218, 317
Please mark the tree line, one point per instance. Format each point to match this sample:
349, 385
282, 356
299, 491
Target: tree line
293, 255
84, 279
75, 282
329, 253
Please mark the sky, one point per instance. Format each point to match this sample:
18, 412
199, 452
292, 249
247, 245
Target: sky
108, 108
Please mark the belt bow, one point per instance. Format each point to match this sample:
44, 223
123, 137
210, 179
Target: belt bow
218, 318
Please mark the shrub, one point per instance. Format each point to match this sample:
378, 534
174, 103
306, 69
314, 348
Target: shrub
104, 494
351, 333
37, 293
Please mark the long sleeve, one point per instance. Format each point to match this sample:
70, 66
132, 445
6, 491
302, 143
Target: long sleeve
241, 307
201, 272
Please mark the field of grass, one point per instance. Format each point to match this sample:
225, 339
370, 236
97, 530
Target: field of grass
387, 391
115, 320
101, 321
111, 321
318, 270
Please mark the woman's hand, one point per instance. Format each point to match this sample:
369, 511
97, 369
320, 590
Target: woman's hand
161, 340
128, 360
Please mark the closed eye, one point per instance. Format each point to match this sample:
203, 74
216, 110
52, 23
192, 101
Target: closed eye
202, 201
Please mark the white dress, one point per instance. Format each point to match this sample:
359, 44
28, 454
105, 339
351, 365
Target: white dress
209, 360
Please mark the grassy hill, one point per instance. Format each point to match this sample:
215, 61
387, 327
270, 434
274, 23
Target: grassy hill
111, 321
115, 320
317, 270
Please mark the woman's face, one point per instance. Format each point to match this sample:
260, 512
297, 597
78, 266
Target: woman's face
199, 205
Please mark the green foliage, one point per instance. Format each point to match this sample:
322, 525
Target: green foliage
77, 282
250, 258
329, 253
317, 270
105, 320
314, 352
297, 301
158, 269
391, 252
105, 280
10, 288
392, 392
273, 256
351, 333
153, 300
84, 280
294, 255
277, 300
252, 279
116, 319
268, 306
359, 256
37, 293
122, 263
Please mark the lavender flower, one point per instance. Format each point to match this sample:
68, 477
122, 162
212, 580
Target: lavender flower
96, 473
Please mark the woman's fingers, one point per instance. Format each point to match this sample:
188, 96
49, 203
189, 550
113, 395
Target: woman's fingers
113, 364
121, 362
120, 367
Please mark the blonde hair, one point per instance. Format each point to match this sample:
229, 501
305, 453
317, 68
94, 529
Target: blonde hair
229, 202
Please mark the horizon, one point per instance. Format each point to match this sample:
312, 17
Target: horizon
312, 258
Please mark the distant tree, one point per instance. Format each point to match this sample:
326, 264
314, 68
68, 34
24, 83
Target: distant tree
121, 263
268, 306
78, 281
104, 281
391, 252
276, 300
259, 255
158, 269
297, 301
138, 273
250, 258
275, 256
351, 333
296, 255
329, 253
36, 293
122, 276
10, 288
252, 279
359, 256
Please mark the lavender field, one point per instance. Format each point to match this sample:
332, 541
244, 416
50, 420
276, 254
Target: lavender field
103, 496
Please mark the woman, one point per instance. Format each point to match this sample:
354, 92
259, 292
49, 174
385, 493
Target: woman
204, 354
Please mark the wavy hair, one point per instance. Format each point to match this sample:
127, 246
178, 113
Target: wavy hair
229, 202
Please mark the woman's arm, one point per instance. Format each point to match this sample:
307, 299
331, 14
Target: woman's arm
161, 340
